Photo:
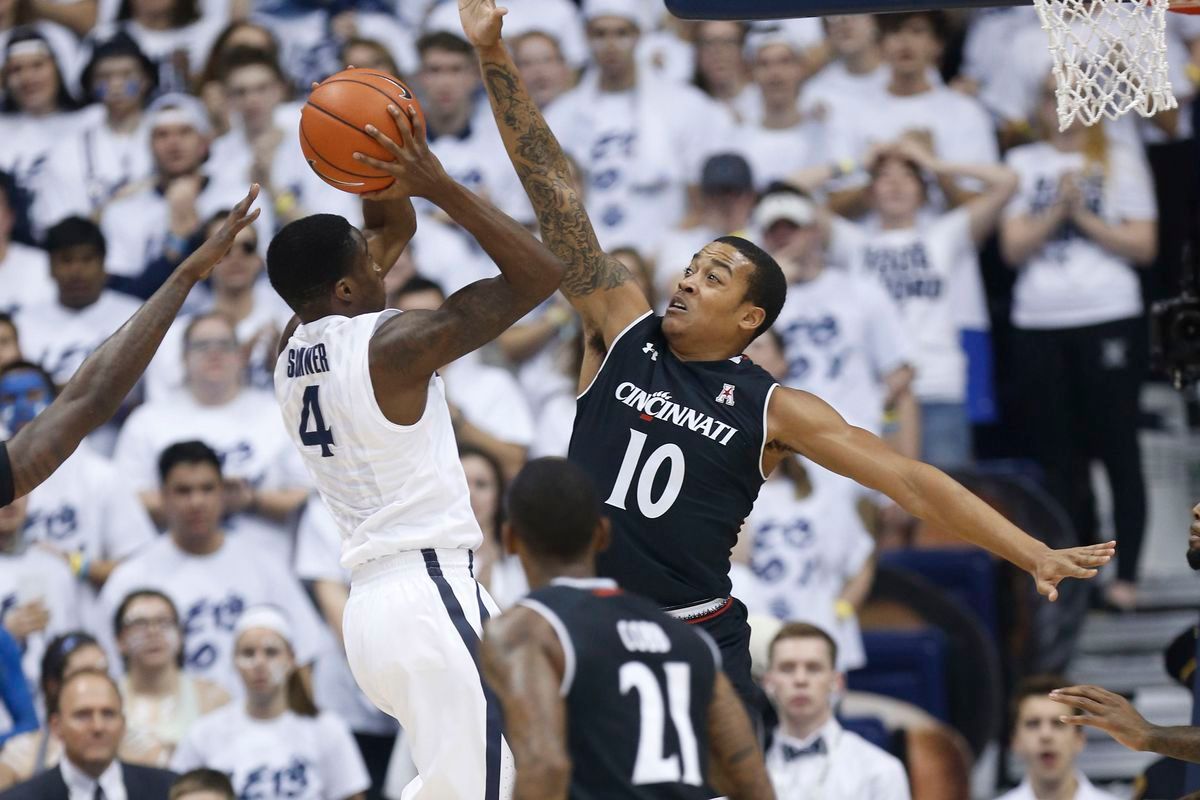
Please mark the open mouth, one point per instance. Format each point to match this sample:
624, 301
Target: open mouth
676, 304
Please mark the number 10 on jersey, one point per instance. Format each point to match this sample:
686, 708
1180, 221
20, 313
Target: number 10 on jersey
669, 454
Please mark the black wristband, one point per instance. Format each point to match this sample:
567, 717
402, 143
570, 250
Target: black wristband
7, 489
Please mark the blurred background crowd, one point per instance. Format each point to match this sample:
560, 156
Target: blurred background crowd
965, 279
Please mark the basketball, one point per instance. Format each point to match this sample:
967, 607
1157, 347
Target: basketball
333, 123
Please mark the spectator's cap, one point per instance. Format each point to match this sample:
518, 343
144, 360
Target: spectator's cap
726, 172
27, 41
120, 44
793, 208
632, 10
268, 617
175, 108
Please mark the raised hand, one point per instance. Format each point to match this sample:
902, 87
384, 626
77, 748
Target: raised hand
415, 169
1074, 562
1105, 710
481, 21
200, 263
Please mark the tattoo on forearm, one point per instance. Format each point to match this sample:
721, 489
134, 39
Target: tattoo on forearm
545, 173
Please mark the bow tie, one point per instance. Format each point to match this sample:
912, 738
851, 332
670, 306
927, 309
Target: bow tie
791, 753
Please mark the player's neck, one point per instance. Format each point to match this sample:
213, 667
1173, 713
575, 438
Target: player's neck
909, 84
540, 575
863, 62
1063, 789
162, 682
801, 729
711, 353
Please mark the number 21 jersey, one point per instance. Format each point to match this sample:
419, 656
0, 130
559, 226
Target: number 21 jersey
389, 487
676, 449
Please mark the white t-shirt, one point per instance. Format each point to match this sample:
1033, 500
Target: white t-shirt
1086, 791
640, 149
917, 268
28, 576
805, 550
775, 153
835, 86
60, 338
291, 757
1071, 281
489, 398
28, 142
841, 336
850, 767
211, 592
247, 435
25, 279
555, 424
476, 158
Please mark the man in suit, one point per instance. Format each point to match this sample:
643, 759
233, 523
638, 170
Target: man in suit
91, 724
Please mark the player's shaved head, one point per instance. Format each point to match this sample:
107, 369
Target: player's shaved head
553, 509
307, 257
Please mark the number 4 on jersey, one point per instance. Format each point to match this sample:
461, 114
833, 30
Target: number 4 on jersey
320, 435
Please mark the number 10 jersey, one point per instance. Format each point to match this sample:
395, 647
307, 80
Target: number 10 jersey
676, 449
390, 487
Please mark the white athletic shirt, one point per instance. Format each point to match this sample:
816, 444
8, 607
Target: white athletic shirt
390, 487
290, 757
1071, 281
917, 267
25, 278
60, 338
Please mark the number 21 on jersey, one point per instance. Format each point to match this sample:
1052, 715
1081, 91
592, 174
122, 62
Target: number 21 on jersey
669, 455
313, 432
651, 766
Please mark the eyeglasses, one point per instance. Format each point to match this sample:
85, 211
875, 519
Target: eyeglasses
142, 624
212, 346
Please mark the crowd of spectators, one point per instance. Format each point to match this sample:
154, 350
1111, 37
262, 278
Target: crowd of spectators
965, 279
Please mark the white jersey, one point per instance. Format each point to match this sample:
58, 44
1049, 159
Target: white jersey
24, 278
60, 338
390, 487
290, 757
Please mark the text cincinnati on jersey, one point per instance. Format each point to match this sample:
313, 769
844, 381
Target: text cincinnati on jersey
660, 406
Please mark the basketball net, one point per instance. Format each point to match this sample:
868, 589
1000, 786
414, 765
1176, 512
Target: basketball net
1110, 57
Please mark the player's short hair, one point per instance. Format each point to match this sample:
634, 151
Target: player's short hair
308, 256
242, 56
72, 232
803, 630
444, 40
29, 366
553, 508
1034, 686
766, 287
191, 452
890, 23
419, 283
54, 663
202, 780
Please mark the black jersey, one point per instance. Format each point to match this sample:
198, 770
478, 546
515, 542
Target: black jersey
676, 449
638, 685
7, 487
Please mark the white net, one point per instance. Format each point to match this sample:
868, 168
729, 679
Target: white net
1110, 57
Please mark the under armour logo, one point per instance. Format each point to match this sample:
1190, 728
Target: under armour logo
726, 395
649, 348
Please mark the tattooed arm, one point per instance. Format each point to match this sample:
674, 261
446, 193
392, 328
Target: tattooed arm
523, 662
598, 285
100, 385
737, 769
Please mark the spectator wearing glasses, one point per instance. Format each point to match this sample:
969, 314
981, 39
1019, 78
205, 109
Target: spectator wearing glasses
161, 700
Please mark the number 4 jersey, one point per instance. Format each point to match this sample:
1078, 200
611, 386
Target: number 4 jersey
390, 487
638, 686
676, 449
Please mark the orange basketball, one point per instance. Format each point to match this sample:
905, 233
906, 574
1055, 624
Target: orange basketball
333, 122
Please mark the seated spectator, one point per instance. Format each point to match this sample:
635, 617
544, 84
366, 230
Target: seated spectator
161, 700
202, 784
61, 333
721, 69
152, 231
39, 598
237, 294
210, 83
14, 691
811, 752
545, 70
39, 750
499, 572
16, 18
90, 724
275, 744
105, 154
367, 53
10, 348
1048, 746
265, 482
486, 404
173, 34
927, 263
810, 556
24, 270
211, 577
37, 111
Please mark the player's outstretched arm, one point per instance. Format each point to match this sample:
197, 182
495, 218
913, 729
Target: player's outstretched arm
802, 423
598, 285
388, 225
523, 662
99, 386
1112, 713
737, 769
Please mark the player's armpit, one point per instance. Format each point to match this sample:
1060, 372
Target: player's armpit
736, 767
599, 286
523, 662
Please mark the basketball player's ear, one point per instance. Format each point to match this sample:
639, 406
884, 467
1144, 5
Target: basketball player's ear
508, 542
343, 291
603, 536
752, 318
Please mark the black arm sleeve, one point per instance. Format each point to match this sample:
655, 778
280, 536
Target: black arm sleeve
7, 489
